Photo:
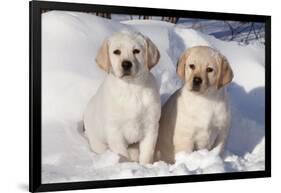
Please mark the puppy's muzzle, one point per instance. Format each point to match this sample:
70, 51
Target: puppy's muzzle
197, 81
126, 65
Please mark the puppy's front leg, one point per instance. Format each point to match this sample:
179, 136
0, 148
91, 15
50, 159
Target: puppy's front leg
118, 145
220, 142
183, 143
147, 145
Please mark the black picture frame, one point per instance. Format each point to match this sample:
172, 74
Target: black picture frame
35, 184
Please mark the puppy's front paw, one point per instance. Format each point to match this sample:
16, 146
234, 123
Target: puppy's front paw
123, 159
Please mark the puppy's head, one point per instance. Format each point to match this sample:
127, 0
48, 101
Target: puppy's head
202, 67
127, 55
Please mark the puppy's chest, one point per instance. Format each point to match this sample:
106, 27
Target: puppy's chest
202, 114
132, 106
135, 113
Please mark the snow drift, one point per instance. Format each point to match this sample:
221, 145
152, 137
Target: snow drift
70, 41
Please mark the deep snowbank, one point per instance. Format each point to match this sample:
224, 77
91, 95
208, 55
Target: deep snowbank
70, 41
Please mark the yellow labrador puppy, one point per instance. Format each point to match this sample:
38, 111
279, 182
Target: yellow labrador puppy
197, 116
124, 114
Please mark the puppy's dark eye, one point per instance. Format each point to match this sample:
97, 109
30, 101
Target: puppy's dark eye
209, 69
136, 51
117, 52
192, 66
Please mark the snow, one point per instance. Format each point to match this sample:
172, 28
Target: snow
70, 76
242, 32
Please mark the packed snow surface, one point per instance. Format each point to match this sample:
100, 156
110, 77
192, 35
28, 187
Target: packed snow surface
70, 77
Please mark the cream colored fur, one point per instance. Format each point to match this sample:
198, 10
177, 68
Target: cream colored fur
124, 114
194, 119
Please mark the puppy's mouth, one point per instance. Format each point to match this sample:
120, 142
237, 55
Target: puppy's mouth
126, 74
196, 88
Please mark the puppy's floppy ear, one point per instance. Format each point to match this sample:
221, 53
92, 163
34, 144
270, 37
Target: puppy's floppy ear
102, 58
152, 54
181, 65
225, 74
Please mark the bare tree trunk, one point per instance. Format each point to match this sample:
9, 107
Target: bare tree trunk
231, 29
254, 30
145, 17
174, 20
105, 15
248, 35
170, 19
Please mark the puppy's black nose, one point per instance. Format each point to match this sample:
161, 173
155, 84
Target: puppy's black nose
197, 81
126, 65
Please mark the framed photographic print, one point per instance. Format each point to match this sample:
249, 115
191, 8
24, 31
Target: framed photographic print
127, 96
